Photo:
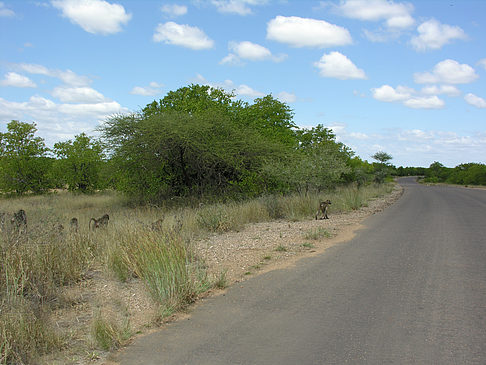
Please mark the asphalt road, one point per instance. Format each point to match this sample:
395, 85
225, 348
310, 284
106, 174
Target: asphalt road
410, 288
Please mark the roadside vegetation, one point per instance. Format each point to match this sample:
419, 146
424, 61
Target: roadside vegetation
196, 162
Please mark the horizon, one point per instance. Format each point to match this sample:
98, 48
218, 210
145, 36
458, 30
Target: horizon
403, 77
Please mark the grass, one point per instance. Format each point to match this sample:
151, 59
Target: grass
281, 248
38, 266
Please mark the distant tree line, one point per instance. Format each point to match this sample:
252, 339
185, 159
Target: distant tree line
197, 141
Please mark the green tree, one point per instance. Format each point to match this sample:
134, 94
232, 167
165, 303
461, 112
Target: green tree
383, 168
24, 164
436, 172
318, 162
179, 154
79, 163
272, 118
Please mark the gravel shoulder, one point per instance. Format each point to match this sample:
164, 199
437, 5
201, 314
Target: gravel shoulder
261, 247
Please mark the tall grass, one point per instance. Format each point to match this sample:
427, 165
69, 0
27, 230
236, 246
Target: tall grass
172, 273
35, 266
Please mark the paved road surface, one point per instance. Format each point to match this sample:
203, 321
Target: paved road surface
410, 288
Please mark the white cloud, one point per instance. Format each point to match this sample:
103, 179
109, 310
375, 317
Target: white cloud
305, 32
447, 72
67, 76
424, 102
239, 7
94, 16
16, 80
287, 97
83, 94
442, 89
4, 11
407, 96
387, 93
249, 51
475, 100
434, 35
231, 59
415, 146
154, 88
395, 15
246, 90
338, 66
59, 121
182, 35
174, 10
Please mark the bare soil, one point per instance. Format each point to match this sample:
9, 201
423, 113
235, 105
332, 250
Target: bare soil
255, 249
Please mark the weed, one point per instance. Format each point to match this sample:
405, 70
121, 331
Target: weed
315, 234
221, 281
308, 245
281, 248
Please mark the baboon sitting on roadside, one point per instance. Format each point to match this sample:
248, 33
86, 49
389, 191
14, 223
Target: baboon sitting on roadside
323, 209
73, 225
100, 222
19, 221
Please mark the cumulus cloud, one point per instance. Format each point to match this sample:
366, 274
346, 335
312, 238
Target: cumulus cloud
434, 35
337, 65
415, 146
408, 96
57, 121
475, 100
245, 90
4, 11
425, 102
388, 94
174, 10
249, 51
305, 32
447, 72
67, 76
94, 16
182, 35
16, 80
84, 95
154, 88
239, 7
395, 15
442, 89
76, 106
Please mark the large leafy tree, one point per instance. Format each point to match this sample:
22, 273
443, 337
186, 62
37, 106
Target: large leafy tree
79, 163
272, 118
24, 164
179, 154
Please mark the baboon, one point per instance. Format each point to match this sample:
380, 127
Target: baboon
323, 209
19, 221
73, 225
157, 225
100, 222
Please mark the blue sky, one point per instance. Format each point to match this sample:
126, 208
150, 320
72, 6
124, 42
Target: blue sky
405, 77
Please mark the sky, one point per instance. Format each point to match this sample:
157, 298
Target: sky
404, 77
